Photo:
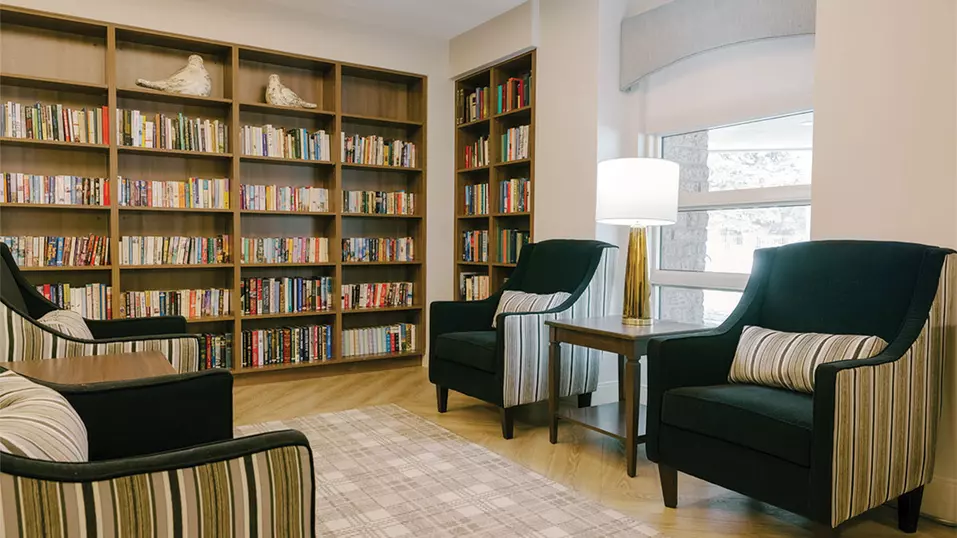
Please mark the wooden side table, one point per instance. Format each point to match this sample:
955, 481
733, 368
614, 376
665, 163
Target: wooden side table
95, 368
625, 418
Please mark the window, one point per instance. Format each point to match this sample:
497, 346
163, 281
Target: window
743, 187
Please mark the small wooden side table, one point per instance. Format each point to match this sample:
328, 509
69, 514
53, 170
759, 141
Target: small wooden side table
95, 368
624, 419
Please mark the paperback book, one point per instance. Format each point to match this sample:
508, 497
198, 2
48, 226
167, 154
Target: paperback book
376, 295
286, 345
193, 193
92, 301
284, 198
54, 190
174, 250
475, 246
176, 132
190, 303
285, 295
287, 143
55, 123
33, 251
473, 286
476, 199
397, 338
285, 250
378, 202
515, 195
376, 150
378, 249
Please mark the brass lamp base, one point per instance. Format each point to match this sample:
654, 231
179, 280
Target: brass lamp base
636, 306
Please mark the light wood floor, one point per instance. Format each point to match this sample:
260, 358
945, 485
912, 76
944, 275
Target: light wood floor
592, 464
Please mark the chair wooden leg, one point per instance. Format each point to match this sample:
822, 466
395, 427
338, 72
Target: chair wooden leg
584, 400
669, 485
508, 422
442, 398
908, 510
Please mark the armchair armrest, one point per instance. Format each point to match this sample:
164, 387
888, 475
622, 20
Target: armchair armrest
137, 327
267, 478
144, 416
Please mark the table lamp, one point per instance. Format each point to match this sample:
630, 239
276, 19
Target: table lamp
637, 192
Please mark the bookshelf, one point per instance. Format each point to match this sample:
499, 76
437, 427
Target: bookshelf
55, 59
470, 130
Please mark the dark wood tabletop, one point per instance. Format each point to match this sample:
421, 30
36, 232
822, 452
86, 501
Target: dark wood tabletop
613, 327
94, 369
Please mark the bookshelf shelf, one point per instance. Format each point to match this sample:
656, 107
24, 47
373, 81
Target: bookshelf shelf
512, 215
504, 264
378, 310
104, 61
473, 123
515, 112
473, 169
516, 162
314, 364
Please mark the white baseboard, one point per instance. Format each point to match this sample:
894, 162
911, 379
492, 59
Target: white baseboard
607, 391
940, 500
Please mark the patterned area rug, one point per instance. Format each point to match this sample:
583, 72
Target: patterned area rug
385, 472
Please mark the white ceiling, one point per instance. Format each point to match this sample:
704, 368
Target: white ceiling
432, 18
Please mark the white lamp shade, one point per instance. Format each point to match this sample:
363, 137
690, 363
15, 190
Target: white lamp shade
636, 191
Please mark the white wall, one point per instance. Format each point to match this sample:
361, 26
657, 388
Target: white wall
288, 31
509, 33
885, 133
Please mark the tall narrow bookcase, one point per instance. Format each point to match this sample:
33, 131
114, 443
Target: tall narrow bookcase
79, 63
493, 125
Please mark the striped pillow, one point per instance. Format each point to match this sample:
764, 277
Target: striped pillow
519, 301
37, 422
788, 360
67, 322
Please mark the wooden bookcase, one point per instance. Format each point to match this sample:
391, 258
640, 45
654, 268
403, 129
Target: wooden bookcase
51, 58
493, 126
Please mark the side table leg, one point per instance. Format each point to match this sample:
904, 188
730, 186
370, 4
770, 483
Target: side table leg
554, 372
632, 388
621, 378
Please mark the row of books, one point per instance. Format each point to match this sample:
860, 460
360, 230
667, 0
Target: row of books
515, 195
515, 93
378, 202
475, 246
193, 193
378, 295
515, 143
284, 250
218, 350
378, 249
397, 338
92, 301
288, 143
174, 250
472, 105
510, 244
50, 251
189, 303
55, 122
373, 149
179, 132
287, 345
476, 153
476, 199
57, 190
285, 295
474, 286
284, 198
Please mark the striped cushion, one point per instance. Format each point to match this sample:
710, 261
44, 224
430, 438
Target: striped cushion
67, 322
519, 301
788, 360
37, 422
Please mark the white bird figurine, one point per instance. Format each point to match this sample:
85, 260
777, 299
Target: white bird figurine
193, 79
279, 95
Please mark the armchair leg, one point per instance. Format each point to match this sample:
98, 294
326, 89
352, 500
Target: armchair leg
908, 510
669, 485
442, 398
584, 400
508, 422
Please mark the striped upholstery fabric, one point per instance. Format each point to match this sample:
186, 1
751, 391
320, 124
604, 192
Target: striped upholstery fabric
519, 301
788, 360
37, 422
22, 339
268, 493
526, 344
886, 417
67, 322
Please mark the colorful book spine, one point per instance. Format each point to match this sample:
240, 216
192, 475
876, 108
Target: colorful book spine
282, 198
476, 199
285, 295
475, 246
515, 195
55, 123
175, 250
92, 301
34, 251
398, 338
473, 105
287, 345
194, 193
515, 143
285, 250
474, 286
218, 350
510, 245
376, 295
378, 202
176, 132
515, 93
54, 190
477, 154
378, 249
376, 150
285, 143
190, 303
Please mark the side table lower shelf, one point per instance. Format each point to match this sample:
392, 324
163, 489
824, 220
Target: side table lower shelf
608, 419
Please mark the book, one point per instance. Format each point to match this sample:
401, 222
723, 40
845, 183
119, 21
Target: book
476, 199
55, 122
192, 193
376, 295
285, 142
378, 249
475, 246
473, 105
21, 188
92, 301
510, 244
174, 250
515, 195
189, 303
473, 286
515, 93
397, 338
284, 250
284, 198
286, 345
515, 143
477, 153
218, 350
285, 295
34, 251
378, 202
178, 132
376, 150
